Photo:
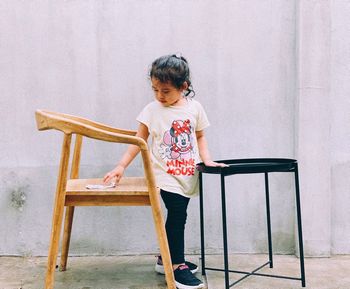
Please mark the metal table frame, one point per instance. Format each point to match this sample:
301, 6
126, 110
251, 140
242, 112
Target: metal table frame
251, 166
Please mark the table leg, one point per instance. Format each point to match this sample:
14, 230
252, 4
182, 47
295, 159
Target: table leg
224, 231
300, 234
268, 218
201, 212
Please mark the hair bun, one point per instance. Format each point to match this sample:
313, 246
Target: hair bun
179, 56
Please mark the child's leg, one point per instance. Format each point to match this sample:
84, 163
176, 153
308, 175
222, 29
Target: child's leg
175, 224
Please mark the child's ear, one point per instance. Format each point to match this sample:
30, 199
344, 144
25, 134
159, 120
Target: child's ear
184, 86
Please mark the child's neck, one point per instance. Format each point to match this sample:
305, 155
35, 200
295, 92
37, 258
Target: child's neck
181, 101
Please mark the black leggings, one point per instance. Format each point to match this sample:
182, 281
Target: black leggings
175, 224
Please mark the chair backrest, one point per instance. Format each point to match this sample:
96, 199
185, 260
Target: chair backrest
70, 124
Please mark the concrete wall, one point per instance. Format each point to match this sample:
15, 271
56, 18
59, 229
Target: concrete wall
313, 142
250, 65
340, 126
323, 127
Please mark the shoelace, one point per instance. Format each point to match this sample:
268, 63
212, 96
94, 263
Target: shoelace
183, 267
185, 272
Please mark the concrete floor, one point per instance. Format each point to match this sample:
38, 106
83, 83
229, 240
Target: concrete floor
136, 272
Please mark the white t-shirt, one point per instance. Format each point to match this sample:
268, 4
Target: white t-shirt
174, 148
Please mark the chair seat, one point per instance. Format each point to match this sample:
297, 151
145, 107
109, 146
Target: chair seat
130, 191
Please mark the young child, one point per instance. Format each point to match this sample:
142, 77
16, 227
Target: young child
175, 122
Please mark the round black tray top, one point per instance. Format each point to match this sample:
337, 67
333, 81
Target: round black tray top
246, 166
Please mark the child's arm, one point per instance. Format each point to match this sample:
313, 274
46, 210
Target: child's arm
127, 158
204, 151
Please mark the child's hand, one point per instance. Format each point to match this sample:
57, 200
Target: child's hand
211, 163
116, 174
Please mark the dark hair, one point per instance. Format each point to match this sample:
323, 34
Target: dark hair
174, 69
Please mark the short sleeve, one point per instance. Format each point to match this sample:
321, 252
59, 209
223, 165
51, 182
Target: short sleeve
144, 116
202, 119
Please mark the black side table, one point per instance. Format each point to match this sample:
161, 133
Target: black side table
250, 166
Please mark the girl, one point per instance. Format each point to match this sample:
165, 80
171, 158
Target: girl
175, 122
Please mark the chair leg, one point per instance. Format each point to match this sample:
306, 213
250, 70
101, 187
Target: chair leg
70, 210
163, 245
158, 220
54, 242
165, 253
58, 213
66, 237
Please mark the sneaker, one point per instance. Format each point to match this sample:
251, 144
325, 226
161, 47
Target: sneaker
160, 268
184, 279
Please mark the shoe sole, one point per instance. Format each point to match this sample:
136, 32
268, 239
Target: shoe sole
182, 286
160, 269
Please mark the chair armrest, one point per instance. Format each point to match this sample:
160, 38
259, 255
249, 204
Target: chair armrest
76, 125
89, 122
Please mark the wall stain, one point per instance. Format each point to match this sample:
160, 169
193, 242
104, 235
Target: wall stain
18, 197
16, 188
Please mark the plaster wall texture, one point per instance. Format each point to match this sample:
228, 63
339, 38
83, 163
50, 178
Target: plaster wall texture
340, 127
91, 58
322, 124
313, 145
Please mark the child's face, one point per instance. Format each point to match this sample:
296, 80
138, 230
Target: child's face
166, 93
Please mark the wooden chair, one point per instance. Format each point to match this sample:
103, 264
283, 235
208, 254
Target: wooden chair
131, 191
